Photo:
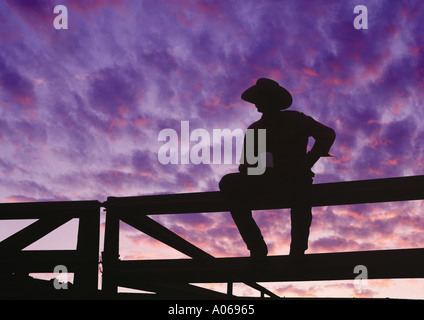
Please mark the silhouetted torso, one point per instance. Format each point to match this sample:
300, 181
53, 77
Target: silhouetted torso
287, 134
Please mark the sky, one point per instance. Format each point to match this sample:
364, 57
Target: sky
81, 110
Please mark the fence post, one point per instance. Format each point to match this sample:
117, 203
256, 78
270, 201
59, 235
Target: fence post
229, 288
110, 254
86, 278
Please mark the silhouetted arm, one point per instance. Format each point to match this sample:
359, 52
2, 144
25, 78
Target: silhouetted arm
324, 139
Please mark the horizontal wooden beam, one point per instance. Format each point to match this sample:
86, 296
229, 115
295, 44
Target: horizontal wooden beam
34, 210
195, 202
336, 193
42, 261
382, 264
369, 191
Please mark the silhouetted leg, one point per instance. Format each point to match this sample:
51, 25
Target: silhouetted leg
301, 218
250, 232
236, 187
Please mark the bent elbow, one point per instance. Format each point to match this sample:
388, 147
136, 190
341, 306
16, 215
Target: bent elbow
332, 135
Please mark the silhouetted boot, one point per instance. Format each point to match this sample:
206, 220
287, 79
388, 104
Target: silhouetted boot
250, 233
296, 252
259, 250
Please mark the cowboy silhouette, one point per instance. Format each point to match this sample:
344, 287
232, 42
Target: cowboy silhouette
288, 166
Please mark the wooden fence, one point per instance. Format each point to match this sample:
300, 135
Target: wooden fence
16, 263
174, 278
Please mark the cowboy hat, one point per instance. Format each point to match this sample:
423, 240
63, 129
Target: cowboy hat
267, 91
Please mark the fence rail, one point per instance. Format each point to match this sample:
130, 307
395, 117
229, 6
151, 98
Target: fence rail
380, 264
324, 194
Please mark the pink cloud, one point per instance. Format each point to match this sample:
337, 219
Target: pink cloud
20, 198
334, 244
309, 72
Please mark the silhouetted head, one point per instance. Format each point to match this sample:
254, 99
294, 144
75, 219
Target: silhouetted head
268, 95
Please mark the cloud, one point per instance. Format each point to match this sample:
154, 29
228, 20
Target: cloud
317, 290
18, 90
37, 13
114, 90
